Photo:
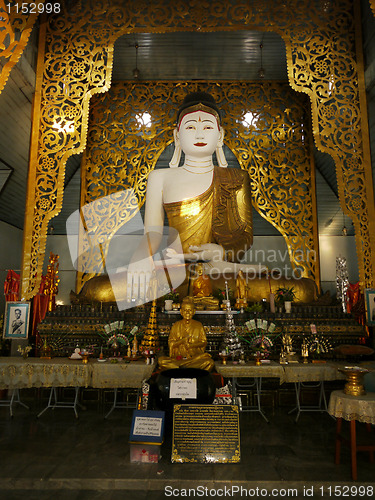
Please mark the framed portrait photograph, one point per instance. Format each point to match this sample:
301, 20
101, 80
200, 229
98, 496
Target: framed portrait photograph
370, 305
16, 321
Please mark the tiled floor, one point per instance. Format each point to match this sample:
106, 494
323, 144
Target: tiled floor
60, 457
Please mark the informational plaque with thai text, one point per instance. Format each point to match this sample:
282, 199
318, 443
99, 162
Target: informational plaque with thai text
206, 434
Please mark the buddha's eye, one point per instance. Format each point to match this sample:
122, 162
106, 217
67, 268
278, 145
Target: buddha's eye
208, 127
190, 127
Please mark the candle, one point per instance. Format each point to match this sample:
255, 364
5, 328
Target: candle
272, 303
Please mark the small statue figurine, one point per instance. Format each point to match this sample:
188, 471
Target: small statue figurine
241, 290
290, 355
187, 342
304, 351
135, 347
202, 291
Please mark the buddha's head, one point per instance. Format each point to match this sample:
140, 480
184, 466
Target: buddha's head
198, 130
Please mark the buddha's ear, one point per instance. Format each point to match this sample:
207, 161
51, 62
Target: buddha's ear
175, 161
220, 156
221, 137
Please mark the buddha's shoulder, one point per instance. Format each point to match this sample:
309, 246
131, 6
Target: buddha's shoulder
161, 174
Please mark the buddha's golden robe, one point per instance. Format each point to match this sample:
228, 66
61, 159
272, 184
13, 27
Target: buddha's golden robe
221, 215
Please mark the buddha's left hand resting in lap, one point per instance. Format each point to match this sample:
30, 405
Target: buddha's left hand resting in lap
187, 342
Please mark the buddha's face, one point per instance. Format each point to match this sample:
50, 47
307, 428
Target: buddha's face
187, 311
199, 134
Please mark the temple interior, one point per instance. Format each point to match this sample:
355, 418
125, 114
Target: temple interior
187, 227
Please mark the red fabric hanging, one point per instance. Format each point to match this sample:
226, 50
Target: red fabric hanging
356, 305
12, 286
353, 294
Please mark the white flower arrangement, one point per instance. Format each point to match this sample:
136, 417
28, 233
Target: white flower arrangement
24, 350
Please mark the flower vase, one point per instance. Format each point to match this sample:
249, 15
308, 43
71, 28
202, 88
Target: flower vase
288, 306
168, 305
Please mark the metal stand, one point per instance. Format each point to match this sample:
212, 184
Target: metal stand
322, 406
122, 404
54, 403
258, 387
14, 399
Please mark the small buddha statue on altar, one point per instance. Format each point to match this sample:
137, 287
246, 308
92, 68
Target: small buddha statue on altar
202, 291
187, 342
241, 290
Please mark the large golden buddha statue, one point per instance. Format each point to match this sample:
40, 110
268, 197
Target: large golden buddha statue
208, 206
187, 342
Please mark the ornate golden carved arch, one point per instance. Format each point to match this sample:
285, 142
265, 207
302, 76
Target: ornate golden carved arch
78, 62
15, 29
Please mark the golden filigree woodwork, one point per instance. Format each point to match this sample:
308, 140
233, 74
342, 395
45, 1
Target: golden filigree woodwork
17, 19
266, 128
372, 5
322, 63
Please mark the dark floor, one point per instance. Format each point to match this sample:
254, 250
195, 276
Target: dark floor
61, 457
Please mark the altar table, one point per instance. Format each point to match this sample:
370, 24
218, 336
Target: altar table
297, 373
17, 373
294, 372
353, 408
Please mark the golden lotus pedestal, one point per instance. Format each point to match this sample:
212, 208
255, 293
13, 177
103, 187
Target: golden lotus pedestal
354, 380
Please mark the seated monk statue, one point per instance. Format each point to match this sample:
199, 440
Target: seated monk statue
202, 291
187, 342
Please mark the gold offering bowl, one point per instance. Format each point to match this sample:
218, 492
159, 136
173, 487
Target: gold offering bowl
354, 380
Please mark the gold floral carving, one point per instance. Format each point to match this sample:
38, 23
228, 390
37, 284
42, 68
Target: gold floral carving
322, 62
266, 129
372, 5
15, 29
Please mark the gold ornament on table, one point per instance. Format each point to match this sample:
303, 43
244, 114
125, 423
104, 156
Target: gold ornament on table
354, 380
45, 351
116, 337
317, 344
52, 280
259, 338
304, 351
288, 355
187, 342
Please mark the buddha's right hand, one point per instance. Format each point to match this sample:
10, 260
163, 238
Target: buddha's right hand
138, 279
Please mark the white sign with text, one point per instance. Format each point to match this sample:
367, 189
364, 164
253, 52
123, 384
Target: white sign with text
147, 426
183, 388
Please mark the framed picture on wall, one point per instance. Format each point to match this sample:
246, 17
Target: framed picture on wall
16, 322
370, 305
